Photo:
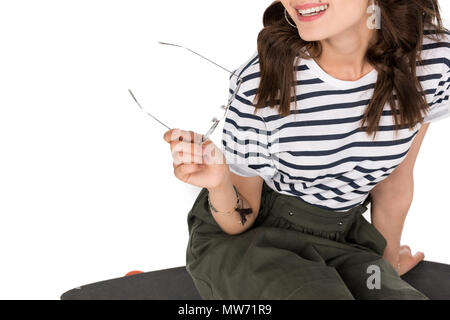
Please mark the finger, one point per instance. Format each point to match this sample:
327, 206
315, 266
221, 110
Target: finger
186, 147
206, 143
183, 152
200, 166
186, 158
184, 171
176, 134
168, 134
194, 137
182, 135
419, 256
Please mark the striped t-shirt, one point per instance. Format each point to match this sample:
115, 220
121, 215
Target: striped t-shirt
320, 154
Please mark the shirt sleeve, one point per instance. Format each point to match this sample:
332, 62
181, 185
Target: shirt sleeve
440, 104
245, 138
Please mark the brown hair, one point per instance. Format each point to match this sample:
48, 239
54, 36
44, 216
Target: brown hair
393, 55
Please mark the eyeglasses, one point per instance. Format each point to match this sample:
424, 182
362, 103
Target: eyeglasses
215, 121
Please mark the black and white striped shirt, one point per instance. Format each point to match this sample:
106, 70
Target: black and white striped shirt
320, 154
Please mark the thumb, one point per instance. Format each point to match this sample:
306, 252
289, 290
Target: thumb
419, 256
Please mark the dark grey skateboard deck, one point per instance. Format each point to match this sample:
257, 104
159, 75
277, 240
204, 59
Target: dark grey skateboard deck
430, 278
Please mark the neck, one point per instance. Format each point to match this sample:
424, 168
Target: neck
343, 55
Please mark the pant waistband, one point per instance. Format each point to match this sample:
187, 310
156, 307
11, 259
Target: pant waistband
308, 217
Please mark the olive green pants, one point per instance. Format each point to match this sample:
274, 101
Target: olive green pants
294, 250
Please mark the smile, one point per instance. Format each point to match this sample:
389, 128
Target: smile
313, 11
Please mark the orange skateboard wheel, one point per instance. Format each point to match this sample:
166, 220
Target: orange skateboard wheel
133, 273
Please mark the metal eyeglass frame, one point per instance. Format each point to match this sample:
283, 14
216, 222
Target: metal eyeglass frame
225, 107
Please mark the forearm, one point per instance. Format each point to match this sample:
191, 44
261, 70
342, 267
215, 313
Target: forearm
388, 215
223, 198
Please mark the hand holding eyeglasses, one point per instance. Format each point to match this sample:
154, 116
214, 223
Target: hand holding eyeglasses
196, 161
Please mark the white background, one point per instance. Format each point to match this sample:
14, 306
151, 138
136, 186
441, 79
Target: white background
87, 191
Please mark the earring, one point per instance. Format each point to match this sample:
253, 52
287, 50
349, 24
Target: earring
374, 21
287, 19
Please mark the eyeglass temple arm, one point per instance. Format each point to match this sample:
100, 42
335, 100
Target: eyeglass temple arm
216, 122
177, 45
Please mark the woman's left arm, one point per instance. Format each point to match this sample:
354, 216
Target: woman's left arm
391, 200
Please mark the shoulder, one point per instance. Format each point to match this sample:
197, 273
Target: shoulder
433, 71
243, 104
433, 39
250, 73
435, 51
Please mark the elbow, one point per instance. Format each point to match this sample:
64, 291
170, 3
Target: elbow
398, 194
242, 228
233, 232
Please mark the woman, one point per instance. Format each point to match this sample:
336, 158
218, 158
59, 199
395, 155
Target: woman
330, 115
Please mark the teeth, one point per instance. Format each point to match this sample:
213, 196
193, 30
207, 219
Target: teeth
313, 11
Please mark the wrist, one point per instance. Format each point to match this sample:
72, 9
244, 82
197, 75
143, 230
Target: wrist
224, 185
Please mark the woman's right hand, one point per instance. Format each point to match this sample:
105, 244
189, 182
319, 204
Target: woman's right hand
200, 164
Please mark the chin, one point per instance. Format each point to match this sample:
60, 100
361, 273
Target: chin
312, 35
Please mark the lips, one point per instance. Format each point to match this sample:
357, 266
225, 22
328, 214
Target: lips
312, 11
310, 5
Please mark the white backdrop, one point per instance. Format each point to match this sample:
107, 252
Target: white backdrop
87, 191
